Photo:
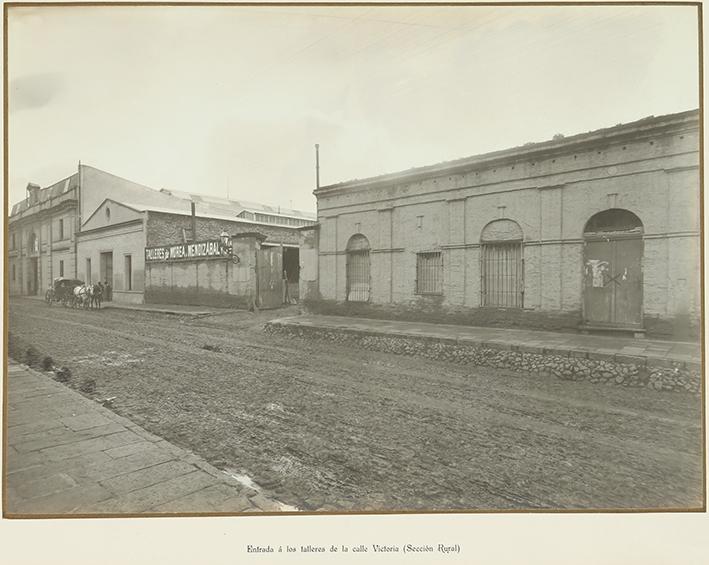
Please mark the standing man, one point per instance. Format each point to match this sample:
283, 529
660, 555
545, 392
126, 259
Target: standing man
108, 288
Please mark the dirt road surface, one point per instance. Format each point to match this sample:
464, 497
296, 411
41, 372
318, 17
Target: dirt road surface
325, 426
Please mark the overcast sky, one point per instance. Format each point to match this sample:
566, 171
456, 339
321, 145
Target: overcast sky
213, 99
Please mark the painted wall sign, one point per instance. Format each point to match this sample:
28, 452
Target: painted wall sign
598, 270
196, 250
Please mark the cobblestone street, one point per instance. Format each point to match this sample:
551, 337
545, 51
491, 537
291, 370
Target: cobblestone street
371, 431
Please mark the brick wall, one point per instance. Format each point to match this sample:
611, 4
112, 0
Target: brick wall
199, 283
206, 282
432, 309
164, 229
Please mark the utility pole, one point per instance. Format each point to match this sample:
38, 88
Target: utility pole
317, 165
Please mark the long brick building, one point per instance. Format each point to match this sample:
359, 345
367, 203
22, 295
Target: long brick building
599, 230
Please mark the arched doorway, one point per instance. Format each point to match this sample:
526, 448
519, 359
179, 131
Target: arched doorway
358, 277
501, 266
613, 278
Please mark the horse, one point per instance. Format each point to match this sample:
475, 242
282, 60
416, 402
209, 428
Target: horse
50, 295
96, 295
81, 296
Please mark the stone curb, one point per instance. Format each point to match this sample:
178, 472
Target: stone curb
562, 351
156, 310
564, 362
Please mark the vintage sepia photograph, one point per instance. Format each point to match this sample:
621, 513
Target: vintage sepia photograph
328, 259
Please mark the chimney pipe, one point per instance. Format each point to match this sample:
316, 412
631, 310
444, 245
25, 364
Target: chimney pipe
194, 221
33, 191
317, 165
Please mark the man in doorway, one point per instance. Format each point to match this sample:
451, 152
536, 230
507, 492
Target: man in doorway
108, 291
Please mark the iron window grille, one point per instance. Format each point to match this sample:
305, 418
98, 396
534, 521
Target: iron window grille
358, 276
502, 275
429, 273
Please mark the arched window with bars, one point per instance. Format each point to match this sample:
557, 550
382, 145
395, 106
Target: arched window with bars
501, 265
358, 269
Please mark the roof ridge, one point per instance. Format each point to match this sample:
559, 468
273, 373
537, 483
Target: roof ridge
122, 178
530, 146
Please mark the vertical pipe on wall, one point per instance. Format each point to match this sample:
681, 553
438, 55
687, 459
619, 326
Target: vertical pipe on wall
481, 267
562, 267
540, 254
194, 220
50, 243
77, 219
39, 273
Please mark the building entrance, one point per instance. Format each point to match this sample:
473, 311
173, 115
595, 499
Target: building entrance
613, 279
33, 279
106, 267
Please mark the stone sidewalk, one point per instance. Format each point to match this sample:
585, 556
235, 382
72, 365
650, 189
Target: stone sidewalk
174, 309
642, 351
67, 454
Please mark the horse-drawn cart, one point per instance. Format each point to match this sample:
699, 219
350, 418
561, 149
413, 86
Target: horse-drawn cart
62, 290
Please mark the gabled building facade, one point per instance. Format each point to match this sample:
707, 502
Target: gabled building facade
112, 243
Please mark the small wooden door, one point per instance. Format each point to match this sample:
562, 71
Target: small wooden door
613, 282
269, 264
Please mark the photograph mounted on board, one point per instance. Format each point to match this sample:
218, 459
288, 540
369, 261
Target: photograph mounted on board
334, 259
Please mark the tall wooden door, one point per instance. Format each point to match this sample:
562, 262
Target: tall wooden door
269, 265
106, 267
33, 280
613, 282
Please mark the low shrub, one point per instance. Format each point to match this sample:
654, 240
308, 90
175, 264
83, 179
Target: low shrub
47, 363
32, 357
88, 385
12, 345
63, 374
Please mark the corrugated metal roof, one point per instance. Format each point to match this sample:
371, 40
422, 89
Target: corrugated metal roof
238, 206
